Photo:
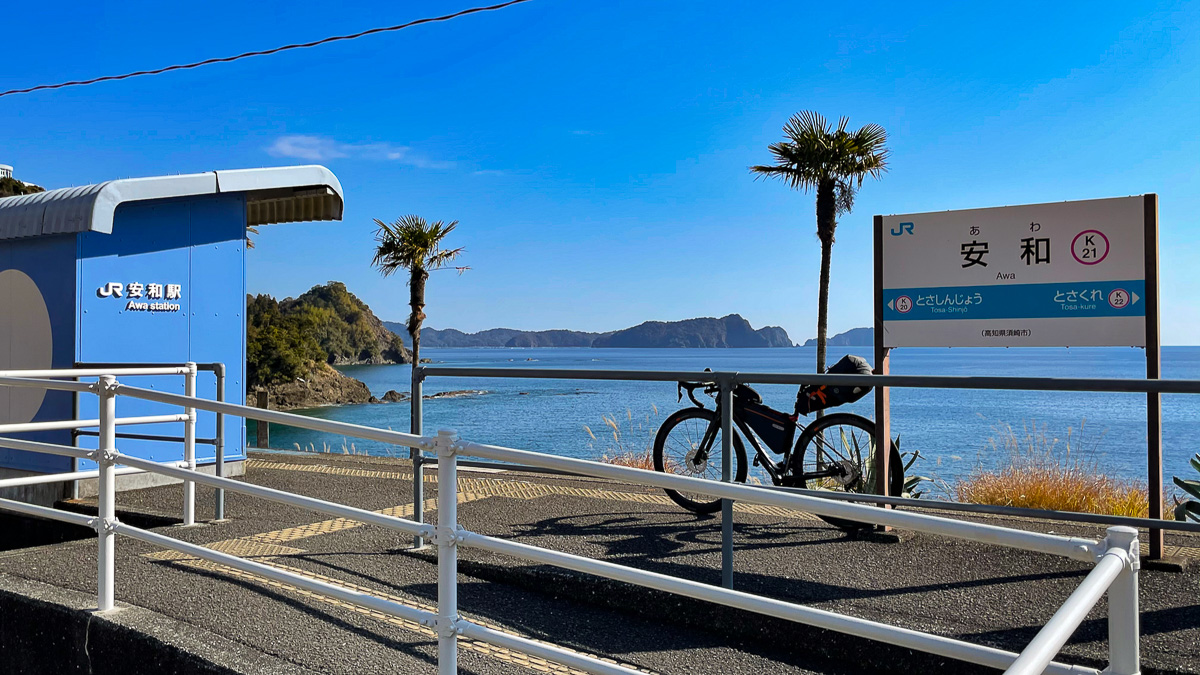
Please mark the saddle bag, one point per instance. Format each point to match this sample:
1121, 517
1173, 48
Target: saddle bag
812, 397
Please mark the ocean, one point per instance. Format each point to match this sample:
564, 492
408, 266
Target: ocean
954, 430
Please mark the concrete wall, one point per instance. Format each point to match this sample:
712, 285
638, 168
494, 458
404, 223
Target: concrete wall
45, 630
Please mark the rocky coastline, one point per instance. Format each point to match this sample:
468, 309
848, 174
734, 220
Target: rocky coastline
328, 387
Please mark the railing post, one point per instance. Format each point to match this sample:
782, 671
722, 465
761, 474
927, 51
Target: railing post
726, 394
1124, 630
415, 454
106, 492
262, 435
189, 446
219, 448
447, 553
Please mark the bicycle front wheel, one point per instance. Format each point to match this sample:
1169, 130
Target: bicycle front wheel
680, 448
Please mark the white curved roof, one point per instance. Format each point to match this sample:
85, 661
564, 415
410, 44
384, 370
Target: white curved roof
287, 194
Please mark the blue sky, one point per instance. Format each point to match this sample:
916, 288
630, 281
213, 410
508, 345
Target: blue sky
596, 152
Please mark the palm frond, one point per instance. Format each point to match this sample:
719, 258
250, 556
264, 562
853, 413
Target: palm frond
411, 243
815, 151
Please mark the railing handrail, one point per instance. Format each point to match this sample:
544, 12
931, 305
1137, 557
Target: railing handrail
97, 372
291, 419
1115, 558
1117, 385
1071, 547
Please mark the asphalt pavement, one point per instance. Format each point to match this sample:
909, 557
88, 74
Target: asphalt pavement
984, 594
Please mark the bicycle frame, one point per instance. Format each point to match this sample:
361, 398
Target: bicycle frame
777, 470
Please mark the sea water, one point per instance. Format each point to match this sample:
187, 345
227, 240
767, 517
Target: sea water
954, 430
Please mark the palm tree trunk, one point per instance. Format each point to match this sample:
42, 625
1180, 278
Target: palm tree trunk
826, 223
823, 305
416, 300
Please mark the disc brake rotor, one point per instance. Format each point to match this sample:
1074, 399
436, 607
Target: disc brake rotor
692, 466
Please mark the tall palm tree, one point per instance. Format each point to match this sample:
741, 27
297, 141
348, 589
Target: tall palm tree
412, 244
832, 161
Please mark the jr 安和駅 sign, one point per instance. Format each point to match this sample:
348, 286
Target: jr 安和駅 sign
1059, 274
143, 297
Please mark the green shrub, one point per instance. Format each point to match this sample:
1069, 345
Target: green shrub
1188, 509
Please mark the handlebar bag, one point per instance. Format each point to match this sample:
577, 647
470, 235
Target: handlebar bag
812, 397
744, 394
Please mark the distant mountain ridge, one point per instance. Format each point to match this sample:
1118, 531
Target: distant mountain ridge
496, 337
727, 331
855, 337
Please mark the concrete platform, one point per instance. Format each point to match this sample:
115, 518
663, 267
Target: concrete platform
979, 593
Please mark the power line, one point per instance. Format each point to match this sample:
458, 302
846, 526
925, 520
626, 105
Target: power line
227, 59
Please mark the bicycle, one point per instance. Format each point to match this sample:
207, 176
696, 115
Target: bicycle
834, 452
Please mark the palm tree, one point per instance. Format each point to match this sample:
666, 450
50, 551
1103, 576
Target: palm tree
834, 162
414, 245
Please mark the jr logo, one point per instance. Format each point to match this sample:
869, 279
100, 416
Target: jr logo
902, 228
110, 289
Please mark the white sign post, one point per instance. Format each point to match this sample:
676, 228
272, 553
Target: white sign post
1065, 274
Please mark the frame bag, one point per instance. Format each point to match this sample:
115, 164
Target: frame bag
775, 428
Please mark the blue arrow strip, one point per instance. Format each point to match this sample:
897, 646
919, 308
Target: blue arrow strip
1016, 301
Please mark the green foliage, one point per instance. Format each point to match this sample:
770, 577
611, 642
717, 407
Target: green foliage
278, 349
911, 482
818, 156
290, 339
11, 187
1188, 509
412, 244
864, 458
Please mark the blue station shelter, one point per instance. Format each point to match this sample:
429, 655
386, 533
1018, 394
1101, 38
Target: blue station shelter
138, 271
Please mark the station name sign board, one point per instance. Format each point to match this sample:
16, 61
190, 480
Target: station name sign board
144, 297
1063, 274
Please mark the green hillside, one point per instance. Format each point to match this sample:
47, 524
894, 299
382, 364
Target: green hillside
290, 339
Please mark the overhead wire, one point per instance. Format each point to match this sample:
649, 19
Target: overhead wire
265, 52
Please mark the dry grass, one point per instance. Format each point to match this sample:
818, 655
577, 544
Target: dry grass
1039, 471
643, 460
629, 442
326, 448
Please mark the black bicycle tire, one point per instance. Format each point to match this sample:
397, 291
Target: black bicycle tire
660, 438
896, 482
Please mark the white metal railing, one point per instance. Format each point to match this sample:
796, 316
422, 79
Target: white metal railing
37, 379
1115, 558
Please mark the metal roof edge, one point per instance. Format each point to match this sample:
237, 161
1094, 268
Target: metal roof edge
116, 192
93, 207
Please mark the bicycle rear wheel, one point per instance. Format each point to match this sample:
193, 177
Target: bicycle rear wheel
677, 450
845, 442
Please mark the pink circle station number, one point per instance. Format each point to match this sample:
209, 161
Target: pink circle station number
1089, 247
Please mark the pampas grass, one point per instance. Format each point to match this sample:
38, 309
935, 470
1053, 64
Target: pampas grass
628, 442
1040, 471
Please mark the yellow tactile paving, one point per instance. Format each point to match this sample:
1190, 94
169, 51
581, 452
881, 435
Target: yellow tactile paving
1186, 551
335, 470
479, 488
245, 547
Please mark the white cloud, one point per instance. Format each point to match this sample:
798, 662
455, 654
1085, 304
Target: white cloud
312, 148
321, 148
